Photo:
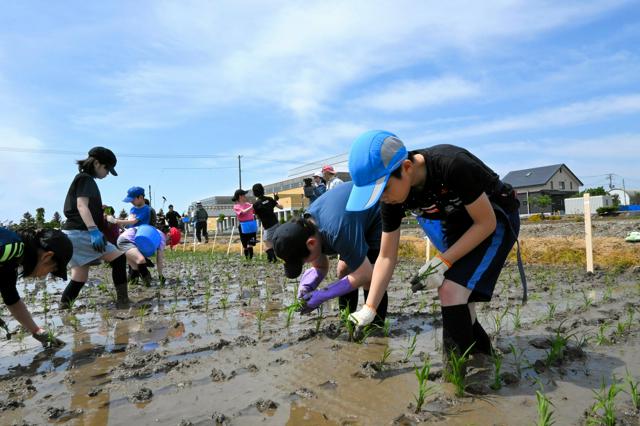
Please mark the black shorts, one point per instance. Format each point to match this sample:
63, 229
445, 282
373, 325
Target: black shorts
479, 269
248, 239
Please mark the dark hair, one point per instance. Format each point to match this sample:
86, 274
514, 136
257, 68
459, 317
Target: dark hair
170, 206
87, 166
258, 190
310, 229
397, 173
31, 240
146, 201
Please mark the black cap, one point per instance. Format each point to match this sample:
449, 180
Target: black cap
105, 156
57, 242
290, 245
238, 193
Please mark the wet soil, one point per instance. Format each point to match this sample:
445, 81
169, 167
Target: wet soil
215, 345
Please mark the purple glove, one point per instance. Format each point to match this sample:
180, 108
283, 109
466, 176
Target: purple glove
309, 281
318, 297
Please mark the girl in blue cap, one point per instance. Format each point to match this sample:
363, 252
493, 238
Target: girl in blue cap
467, 212
85, 226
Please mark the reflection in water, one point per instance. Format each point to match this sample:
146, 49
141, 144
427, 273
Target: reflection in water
87, 373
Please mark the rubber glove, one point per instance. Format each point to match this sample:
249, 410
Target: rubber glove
47, 341
97, 239
364, 316
318, 297
431, 274
309, 281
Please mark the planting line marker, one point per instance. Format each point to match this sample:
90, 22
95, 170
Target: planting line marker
194, 238
233, 228
261, 240
587, 231
215, 237
428, 249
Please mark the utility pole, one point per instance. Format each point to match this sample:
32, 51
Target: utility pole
625, 200
239, 173
610, 177
149, 195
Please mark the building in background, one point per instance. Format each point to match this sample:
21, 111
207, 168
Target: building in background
557, 181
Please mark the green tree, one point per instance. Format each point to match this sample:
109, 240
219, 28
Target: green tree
123, 214
593, 191
27, 221
542, 201
40, 217
56, 220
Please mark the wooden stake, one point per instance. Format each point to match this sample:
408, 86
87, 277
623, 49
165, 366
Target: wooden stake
428, 250
587, 232
261, 240
233, 228
215, 237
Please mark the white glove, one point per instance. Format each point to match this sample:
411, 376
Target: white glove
431, 274
111, 219
363, 317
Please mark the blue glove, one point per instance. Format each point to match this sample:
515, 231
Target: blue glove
97, 239
316, 298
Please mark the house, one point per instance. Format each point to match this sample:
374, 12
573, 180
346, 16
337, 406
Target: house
556, 181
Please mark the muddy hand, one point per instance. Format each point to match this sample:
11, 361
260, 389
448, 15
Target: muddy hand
363, 317
430, 275
47, 340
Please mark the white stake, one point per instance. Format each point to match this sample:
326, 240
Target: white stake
261, 240
233, 228
215, 236
587, 232
428, 250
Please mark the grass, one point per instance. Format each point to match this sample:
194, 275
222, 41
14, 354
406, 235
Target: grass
385, 356
424, 389
455, 374
346, 322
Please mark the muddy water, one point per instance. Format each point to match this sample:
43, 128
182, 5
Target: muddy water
196, 350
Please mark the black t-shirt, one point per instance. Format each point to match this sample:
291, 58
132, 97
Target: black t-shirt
172, 218
11, 252
83, 185
454, 178
263, 208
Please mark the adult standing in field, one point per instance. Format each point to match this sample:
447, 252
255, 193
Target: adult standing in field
85, 226
467, 212
38, 254
319, 185
173, 218
200, 215
263, 208
247, 225
331, 176
326, 229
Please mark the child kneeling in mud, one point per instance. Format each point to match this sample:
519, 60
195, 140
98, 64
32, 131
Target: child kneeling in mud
137, 257
467, 212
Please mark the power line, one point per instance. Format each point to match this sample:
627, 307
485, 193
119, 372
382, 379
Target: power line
119, 154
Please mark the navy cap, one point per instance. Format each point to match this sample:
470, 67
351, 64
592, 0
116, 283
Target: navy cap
105, 156
290, 245
133, 192
373, 156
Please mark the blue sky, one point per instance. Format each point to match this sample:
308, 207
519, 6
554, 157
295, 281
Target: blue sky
519, 83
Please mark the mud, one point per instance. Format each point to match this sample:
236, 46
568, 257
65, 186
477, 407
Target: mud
214, 345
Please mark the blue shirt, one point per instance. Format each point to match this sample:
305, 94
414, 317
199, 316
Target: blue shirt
349, 234
143, 215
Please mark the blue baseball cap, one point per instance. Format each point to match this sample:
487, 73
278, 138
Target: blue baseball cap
374, 155
133, 192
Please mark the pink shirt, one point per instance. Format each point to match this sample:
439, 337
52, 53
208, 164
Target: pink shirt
243, 217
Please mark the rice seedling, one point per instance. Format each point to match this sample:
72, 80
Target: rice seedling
75, 322
346, 322
601, 337
207, 298
411, 348
385, 356
551, 310
386, 327
559, 343
517, 359
363, 333
517, 318
545, 414
496, 358
498, 318
424, 389
587, 301
603, 410
224, 302
633, 390
45, 304
260, 315
319, 318
142, 312
456, 371
607, 295
296, 306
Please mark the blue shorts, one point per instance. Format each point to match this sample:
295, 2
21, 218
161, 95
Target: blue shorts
479, 269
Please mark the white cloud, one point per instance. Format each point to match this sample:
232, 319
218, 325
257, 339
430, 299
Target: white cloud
413, 94
572, 114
